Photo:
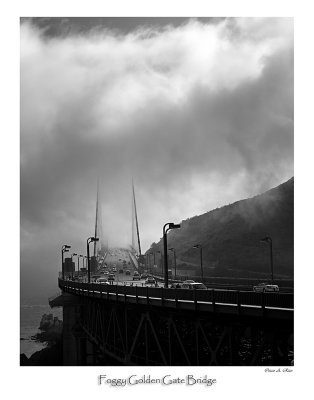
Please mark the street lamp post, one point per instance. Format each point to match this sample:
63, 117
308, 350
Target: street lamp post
175, 261
78, 264
64, 249
151, 254
90, 240
160, 261
198, 246
171, 225
85, 257
268, 239
147, 262
73, 269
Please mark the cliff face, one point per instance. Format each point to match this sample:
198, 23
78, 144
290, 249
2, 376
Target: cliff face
51, 334
50, 356
230, 236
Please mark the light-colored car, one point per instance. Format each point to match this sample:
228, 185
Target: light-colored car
102, 281
193, 285
150, 281
265, 287
189, 281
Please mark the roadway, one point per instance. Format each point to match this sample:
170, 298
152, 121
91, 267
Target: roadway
119, 259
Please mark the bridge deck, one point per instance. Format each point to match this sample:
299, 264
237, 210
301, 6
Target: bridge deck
251, 304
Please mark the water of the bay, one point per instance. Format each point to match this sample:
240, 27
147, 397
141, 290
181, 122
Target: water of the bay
31, 312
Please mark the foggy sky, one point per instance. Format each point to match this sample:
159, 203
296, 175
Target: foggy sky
200, 114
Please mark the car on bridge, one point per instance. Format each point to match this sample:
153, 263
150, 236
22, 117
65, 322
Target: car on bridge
127, 272
144, 276
193, 285
150, 281
103, 281
111, 277
120, 271
265, 287
136, 276
176, 285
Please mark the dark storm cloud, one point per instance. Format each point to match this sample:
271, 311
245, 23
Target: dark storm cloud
56, 27
200, 115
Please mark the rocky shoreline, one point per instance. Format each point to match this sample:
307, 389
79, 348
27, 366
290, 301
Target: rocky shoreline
51, 334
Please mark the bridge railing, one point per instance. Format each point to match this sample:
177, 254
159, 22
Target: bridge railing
235, 297
281, 300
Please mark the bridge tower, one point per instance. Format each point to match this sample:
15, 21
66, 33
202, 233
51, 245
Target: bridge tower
96, 218
136, 243
100, 247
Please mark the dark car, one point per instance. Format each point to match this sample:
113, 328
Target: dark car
111, 277
136, 276
120, 271
127, 272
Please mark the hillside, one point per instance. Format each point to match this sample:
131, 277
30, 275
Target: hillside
230, 237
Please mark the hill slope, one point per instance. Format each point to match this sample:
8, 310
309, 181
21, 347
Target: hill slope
230, 237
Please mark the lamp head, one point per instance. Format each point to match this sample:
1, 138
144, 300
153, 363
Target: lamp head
174, 226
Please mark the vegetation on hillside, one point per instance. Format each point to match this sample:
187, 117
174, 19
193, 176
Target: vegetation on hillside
230, 237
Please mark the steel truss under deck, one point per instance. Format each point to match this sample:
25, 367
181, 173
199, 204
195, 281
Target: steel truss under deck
148, 335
